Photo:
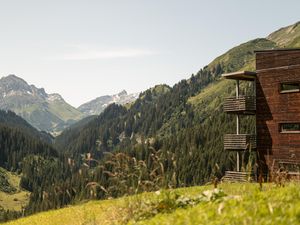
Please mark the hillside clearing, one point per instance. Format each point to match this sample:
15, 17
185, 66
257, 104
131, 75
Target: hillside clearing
17, 198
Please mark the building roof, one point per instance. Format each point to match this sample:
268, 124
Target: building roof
240, 75
277, 50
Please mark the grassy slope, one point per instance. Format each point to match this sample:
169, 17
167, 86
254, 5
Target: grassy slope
241, 58
51, 117
238, 58
212, 96
287, 36
13, 201
64, 111
248, 206
244, 204
61, 110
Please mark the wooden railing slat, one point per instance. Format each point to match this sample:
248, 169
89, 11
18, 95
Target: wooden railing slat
239, 141
242, 103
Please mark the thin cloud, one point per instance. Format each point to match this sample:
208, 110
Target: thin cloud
88, 54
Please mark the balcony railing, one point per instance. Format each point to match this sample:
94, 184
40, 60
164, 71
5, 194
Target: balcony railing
239, 142
241, 104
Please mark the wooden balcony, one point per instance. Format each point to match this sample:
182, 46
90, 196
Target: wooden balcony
240, 105
234, 176
241, 75
239, 142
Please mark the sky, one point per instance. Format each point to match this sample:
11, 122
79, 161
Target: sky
83, 49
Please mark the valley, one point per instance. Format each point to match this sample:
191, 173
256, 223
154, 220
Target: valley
12, 197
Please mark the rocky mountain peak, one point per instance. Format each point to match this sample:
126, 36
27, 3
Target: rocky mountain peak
55, 97
44, 111
12, 82
122, 93
13, 78
97, 105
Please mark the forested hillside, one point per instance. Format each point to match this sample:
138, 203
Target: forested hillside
20, 143
186, 120
9, 118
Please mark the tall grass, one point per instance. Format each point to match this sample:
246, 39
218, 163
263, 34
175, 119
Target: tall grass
126, 175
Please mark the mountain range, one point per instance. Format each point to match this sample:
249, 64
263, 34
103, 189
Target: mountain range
47, 112
50, 112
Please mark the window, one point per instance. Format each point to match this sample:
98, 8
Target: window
289, 87
290, 166
290, 127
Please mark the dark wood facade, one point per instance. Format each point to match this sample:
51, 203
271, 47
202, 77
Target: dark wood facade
275, 107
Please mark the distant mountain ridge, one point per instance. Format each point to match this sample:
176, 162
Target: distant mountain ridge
97, 105
50, 112
47, 112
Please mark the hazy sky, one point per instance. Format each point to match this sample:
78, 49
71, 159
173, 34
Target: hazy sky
85, 49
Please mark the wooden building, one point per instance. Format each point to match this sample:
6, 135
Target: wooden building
276, 105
